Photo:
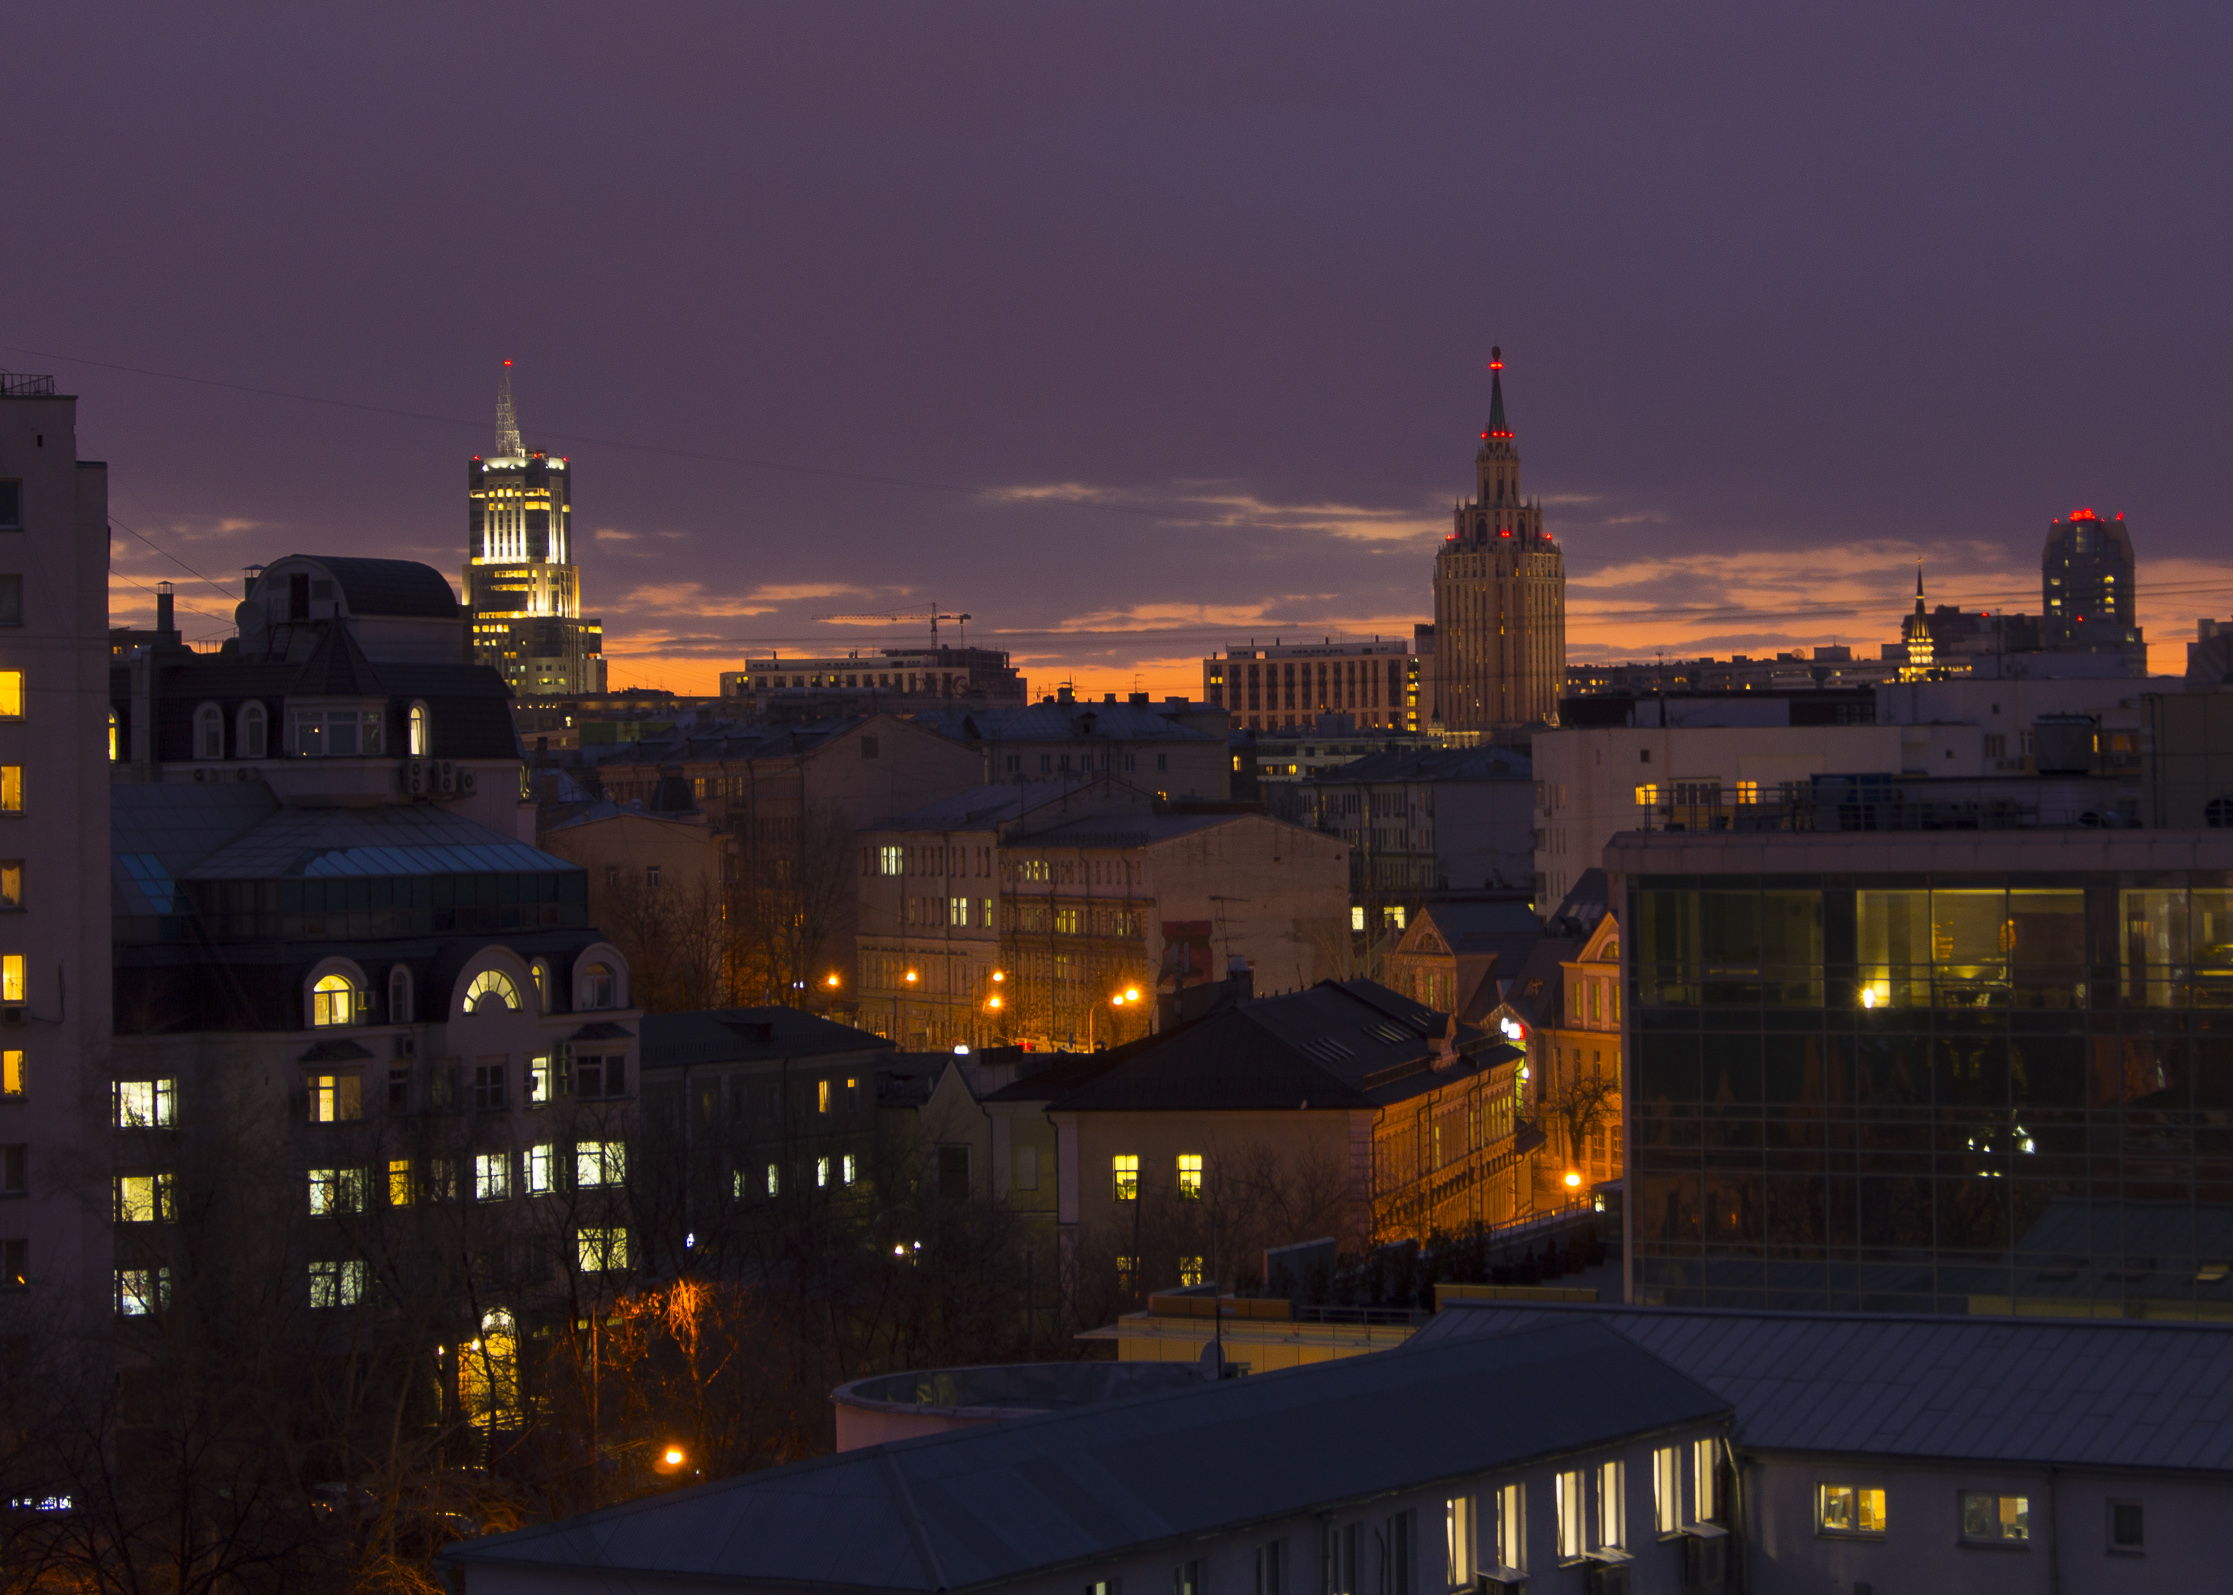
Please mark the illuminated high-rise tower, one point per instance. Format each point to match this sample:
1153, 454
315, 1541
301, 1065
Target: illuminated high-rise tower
522, 588
1499, 596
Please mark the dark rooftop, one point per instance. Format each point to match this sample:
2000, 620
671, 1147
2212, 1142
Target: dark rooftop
747, 1035
2127, 1394
390, 586
999, 1502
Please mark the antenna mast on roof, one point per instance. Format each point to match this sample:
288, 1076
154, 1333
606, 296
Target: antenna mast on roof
507, 419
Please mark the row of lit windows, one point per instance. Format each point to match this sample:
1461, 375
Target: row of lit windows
744, 1183
336, 999
1985, 1517
315, 733
343, 1282
1124, 1176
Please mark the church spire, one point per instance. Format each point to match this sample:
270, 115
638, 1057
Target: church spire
507, 419
1497, 426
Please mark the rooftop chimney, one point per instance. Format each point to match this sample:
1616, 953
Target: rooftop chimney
164, 630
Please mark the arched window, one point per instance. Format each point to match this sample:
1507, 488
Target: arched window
597, 986
541, 971
399, 996
209, 732
416, 735
112, 736
2217, 814
333, 1001
492, 991
251, 738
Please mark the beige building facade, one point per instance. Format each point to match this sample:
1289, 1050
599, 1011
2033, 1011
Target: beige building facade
1288, 686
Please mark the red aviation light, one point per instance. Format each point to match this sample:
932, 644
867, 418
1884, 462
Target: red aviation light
1505, 532
1484, 437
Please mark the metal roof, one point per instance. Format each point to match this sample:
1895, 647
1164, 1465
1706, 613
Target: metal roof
418, 839
741, 1035
1429, 764
980, 1505
2098, 1393
389, 586
1068, 722
1333, 1046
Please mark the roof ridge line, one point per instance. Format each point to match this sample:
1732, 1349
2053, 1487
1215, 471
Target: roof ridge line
904, 1499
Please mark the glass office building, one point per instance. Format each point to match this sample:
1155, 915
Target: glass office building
1906, 1073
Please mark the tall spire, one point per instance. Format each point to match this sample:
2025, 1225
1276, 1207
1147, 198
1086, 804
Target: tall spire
507, 419
1497, 426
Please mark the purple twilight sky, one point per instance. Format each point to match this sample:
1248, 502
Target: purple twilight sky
1138, 329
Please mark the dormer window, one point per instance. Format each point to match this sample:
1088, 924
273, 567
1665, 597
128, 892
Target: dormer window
209, 732
335, 733
250, 740
417, 736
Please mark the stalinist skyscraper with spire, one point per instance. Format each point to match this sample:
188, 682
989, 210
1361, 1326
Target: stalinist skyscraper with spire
522, 588
1499, 596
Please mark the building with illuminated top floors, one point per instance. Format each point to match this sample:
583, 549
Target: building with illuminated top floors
522, 587
1499, 597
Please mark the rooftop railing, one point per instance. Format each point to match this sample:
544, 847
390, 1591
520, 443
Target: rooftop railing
18, 385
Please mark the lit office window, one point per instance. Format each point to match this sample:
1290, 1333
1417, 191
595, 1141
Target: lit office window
146, 1104
1995, 1519
1612, 1505
1852, 1509
1190, 1175
1571, 1533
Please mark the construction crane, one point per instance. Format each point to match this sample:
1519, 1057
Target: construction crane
933, 614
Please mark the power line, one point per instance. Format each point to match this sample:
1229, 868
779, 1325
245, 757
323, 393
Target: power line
173, 558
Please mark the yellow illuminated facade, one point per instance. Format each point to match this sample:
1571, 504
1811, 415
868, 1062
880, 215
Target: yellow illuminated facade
522, 588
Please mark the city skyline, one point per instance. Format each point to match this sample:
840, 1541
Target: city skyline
1233, 366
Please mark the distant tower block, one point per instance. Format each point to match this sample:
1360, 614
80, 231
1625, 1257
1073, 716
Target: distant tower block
2086, 586
1499, 596
522, 588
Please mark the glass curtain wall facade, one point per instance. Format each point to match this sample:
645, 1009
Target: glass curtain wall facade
1941, 1094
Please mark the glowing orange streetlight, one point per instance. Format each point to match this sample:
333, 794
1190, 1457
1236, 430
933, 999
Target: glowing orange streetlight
999, 975
993, 1003
1573, 1179
911, 977
832, 980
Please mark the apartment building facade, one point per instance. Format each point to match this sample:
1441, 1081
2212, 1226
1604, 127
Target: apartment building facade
1290, 686
54, 815
1050, 915
369, 1050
